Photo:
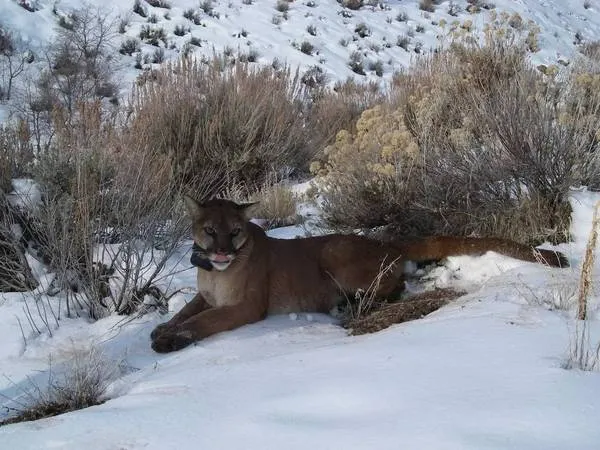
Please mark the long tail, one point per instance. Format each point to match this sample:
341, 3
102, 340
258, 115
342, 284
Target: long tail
439, 247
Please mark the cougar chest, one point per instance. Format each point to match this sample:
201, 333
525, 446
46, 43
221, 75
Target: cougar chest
219, 288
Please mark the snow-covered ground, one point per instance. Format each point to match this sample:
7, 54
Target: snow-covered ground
485, 372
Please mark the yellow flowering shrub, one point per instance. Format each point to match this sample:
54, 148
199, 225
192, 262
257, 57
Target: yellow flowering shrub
380, 147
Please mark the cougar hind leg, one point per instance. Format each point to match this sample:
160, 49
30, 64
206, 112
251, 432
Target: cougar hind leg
355, 263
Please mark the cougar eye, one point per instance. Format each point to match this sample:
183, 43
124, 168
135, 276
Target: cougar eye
236, 231
210, 231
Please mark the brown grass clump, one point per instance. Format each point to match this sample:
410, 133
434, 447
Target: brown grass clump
42, 411
383, 315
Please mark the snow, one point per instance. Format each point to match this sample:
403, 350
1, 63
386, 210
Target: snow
485, 372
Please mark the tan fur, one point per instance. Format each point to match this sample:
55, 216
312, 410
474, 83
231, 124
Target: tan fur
264, 275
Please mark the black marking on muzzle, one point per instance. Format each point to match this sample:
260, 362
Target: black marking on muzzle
198, 259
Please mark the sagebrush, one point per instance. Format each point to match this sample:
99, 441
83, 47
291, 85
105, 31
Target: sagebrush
473, 141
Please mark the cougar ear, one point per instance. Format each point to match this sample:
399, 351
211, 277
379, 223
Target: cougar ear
194, 208
249, 209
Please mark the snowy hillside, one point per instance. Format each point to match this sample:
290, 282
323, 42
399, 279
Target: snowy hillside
384, 35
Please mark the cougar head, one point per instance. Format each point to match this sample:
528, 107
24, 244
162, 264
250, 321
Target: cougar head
219, 230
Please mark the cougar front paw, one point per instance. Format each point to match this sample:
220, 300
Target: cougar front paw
160, 329
171, 341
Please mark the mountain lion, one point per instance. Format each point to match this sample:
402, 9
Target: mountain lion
244, 275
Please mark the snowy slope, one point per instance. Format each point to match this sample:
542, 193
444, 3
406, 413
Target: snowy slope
245, 26
482, 373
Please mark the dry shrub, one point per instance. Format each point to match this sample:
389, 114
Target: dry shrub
367, 175
338, 108
5, 166
78, 66
276, 202
110, 218
241, 122
352, 4
582, 111
15, 160
427, 5
473, 141
5, 178
277, 206
16, 153
15, 273
591, 50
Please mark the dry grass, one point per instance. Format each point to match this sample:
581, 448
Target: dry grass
555, 296
81, 383
583, 355
585, 280
277, 205
365, 301
383, 315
